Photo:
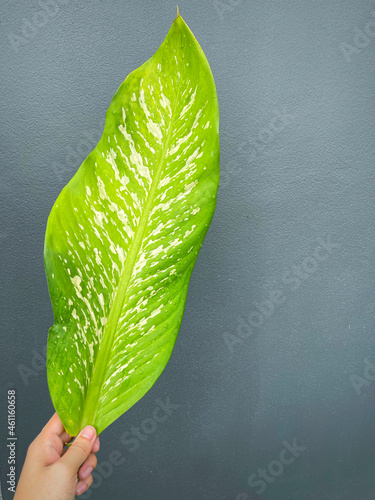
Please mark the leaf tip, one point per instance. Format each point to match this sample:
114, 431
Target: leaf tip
178, 12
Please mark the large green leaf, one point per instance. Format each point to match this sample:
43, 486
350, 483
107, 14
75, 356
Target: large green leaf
124, 234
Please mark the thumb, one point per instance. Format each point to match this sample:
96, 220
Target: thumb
80, 449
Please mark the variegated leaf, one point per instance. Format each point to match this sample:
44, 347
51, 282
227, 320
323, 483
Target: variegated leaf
123, 236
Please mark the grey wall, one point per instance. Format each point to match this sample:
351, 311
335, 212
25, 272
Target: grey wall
297, 371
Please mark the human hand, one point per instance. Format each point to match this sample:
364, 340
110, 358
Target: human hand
51, 472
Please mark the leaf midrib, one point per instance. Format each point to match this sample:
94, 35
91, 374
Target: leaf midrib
91, 399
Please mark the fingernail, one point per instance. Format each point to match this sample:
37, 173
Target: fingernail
96, 446
81, 488
86, 472
88, 432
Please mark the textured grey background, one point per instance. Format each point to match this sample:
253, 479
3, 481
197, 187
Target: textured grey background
286, 185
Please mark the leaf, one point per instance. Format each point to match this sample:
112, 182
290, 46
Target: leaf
124, 234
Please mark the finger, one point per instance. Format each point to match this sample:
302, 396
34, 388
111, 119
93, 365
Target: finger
96, 446
53, 426
80, 449
48, 446
65, 438
88, 466
84, 485
53, 430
